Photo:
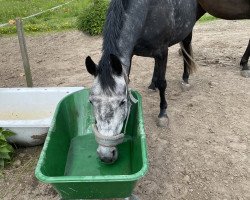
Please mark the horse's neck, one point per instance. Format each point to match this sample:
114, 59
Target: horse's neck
135, 17
121, 40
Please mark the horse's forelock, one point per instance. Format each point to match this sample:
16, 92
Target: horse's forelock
105, 75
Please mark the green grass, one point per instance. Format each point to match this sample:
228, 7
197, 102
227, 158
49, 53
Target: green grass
56, 20
207, 18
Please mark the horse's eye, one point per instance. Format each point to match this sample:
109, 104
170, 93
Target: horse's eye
122, 102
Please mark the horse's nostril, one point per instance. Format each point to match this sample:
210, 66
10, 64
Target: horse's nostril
113, 153
107, 160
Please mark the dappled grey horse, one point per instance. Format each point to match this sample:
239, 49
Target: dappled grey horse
134, 27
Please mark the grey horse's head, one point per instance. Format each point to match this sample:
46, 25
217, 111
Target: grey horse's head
109, 97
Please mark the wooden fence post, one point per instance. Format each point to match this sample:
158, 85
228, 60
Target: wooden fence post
24, 52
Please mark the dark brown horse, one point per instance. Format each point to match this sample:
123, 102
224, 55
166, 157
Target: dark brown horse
231, 10
227, 9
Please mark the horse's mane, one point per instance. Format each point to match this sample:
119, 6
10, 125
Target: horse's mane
111, 34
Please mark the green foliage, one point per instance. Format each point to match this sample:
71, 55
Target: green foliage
92, 18
62, 18
6, 150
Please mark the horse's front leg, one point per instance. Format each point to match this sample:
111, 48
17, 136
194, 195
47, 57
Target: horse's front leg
244, 62
161, 84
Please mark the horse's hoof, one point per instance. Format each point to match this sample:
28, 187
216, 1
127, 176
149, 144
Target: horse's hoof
152, 87
245, 73
163, 121
185, 86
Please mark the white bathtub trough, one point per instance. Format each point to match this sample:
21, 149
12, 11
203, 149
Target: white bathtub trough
28, 112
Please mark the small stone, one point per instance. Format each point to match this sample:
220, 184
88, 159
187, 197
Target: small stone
211, 84
39, 61
211, 131
17, 163
186, 178
22, 155
190, 105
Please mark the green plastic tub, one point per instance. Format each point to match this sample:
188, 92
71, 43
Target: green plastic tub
69, 160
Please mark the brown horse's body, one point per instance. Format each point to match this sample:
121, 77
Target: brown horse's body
227, 9
231, 10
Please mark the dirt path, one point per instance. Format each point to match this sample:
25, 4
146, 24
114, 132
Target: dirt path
204, 154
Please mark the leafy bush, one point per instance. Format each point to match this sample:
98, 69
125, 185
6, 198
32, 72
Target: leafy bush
92, 19
6, 149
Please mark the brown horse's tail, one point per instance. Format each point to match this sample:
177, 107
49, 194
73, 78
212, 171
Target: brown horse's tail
189, 59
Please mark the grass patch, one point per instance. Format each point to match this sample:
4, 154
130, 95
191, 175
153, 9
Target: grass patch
60, 19
56, 20
207, 17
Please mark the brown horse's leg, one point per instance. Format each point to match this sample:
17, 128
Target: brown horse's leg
244, 62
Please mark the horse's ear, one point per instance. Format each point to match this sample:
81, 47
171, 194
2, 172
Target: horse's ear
91, 66
116, 65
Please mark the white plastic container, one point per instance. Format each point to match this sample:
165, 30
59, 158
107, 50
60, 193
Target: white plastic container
28, 112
